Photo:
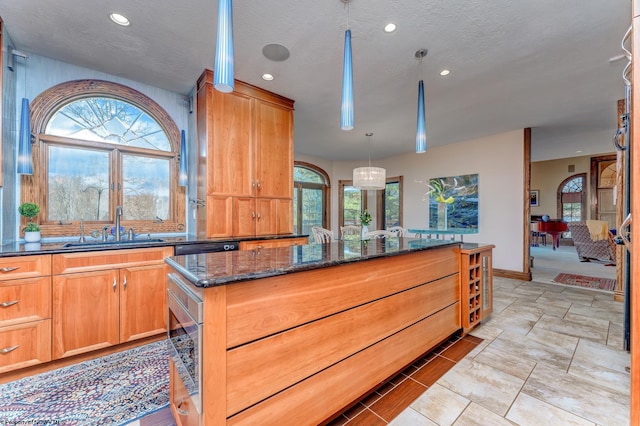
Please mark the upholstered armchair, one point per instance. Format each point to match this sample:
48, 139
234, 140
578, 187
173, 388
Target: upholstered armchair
587, 248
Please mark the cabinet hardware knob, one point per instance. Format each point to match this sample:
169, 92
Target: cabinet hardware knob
181, 410
114, 284
7, 304
9, 349
258, 215
124, 284
259, 185
9, 268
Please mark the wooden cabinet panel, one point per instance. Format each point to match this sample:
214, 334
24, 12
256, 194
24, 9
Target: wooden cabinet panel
244, 216
266, 218
220, 218
232, 163
24, 345
274, 150
85, 312
66, 263
143, 302
12, 268
25, 300
261, 368
476, 285
279, 242
284, 216
184, 413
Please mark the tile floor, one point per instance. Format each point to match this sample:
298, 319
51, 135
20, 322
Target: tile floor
549, 355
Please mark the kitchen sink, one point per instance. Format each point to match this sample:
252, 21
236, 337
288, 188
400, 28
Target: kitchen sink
114, 243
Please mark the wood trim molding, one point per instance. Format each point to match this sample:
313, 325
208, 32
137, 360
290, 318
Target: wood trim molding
526, 241
506, 273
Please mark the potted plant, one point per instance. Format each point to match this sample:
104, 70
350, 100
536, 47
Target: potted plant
365, 220
32, 230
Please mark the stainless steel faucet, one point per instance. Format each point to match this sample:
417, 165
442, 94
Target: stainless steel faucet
118, 216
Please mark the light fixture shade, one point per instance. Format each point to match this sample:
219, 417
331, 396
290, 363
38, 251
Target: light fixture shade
25, 158
182, 174
223, 75
421, 130
369, 177
346, 112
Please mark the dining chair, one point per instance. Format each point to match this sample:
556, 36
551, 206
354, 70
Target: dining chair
398, 230
321, 235
350, 230
382, 233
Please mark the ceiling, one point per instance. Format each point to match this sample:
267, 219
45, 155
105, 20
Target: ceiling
514, 64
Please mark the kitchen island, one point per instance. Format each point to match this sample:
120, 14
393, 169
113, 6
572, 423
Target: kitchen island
294, 335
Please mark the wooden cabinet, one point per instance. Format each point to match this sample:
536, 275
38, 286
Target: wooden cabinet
476, 284
25, 311
278, 242
184, 413
101, 299
245, 161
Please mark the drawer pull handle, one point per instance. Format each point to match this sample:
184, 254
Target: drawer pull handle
114, 284
7, 304
124, 284
9, 268
9, 349
181, 410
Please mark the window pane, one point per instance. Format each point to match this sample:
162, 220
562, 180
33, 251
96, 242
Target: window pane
78, 184
302, 174
352, 205
311, 209
146, 188
109, 120
392, 205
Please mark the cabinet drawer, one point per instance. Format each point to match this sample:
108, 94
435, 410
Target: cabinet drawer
12, 268
278, 242
25, 300
24, 345
67, 263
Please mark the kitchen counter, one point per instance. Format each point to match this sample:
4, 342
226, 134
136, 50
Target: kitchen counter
213, 269
46, 247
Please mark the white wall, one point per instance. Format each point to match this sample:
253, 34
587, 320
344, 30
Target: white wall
498, 160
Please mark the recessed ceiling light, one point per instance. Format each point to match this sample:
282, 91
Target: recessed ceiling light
120, 19
578, 151
267, 77
390, 27
444, 72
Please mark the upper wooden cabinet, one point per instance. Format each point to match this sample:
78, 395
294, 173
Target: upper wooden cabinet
245, 161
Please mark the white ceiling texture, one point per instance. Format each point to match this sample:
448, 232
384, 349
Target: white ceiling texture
543, 64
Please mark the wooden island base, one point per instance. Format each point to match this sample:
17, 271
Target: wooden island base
298, 348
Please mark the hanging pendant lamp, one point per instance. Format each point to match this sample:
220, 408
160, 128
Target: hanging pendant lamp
25, 158
223, 75
182, 174
369, 177
421, 128
346, 111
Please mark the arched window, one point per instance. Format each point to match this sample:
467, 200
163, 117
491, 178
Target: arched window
100, 145
572, 198
310, 197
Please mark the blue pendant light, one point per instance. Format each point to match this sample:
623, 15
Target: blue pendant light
223, 76
421, 128
346, 114
25, 158
182, 174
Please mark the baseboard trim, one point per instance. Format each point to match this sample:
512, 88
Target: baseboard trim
505, 273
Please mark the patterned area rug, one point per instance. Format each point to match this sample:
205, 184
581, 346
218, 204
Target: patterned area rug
607, 284
111, 390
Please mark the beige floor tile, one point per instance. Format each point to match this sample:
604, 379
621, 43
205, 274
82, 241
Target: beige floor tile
577, 296
616, 336
524, 310
543, 307
602, 365
486, 330
477, 415
507, 362
411, 417
553, 299
578, 396
483, 384
440, 405
511, 324
529, 411
597, 312
583, 327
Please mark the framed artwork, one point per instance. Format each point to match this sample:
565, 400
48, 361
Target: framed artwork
453, 202
534, 198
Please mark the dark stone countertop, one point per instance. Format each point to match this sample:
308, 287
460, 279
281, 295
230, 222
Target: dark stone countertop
22, 249
213, 269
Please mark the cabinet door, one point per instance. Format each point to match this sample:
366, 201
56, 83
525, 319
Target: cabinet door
266, 219
284, 216
143, 302
244, 216
231, 150
85, 312
274, 150
219, 215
